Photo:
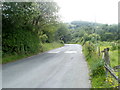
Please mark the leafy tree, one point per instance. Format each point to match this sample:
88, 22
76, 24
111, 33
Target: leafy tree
88, 31
63, 33
26, 25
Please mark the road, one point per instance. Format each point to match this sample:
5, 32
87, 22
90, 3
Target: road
63, 67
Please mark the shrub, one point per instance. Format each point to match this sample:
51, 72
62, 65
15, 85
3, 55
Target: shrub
114, 46
90, 48
98, 68
20, 41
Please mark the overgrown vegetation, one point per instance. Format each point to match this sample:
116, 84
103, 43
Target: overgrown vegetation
29, 28
95, 37
49, 46
33, 27
96, 65
44, 47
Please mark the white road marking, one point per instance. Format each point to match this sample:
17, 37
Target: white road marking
70, 52
53, 51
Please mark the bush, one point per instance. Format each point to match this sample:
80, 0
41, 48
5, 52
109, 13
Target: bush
98, 68
96, 65
114, 46
90, 48
20, 41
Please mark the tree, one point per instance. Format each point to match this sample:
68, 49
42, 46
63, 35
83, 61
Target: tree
63, 33
28, 24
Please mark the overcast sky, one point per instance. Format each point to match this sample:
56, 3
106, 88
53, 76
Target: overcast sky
101, 11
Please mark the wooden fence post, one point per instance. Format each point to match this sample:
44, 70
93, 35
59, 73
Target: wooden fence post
106, 58
98, 51
107, 66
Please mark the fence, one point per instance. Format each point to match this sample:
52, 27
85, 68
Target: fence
108, 66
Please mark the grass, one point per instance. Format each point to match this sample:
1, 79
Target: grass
50, 46
100, 82
96, 65
12, 58
113, 53
45, 47
114, 58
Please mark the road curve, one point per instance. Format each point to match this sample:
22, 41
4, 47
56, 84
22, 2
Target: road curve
63, 67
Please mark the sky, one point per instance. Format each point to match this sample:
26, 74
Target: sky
101, 11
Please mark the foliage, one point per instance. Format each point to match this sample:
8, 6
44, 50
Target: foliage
96, 65
32, 27
45, 47
27, 26
95, 37
49, 46
114, 46
98, 68
82, 31
20, 41
63, 33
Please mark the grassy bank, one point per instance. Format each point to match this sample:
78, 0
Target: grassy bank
50, 46
96, 65
45, 47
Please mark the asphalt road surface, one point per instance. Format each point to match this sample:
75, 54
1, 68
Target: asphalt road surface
63, 67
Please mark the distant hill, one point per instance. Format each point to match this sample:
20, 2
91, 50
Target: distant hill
83, 23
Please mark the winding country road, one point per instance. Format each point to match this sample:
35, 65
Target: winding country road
63, 67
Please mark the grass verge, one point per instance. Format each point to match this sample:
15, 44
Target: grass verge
50, 46
96, 67
45, 47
